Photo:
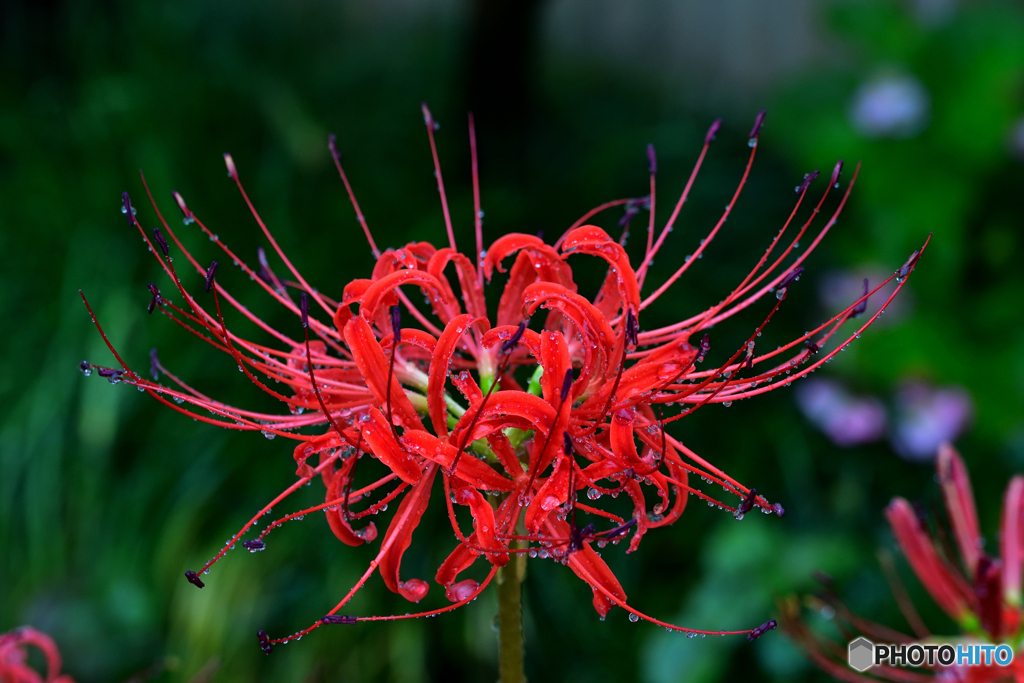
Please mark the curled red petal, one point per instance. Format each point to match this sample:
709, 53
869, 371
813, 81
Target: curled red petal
392, 260
447, 343
554, 492
441, 300
373, 364
588, 560
415, 501
507, 245
636, 494
380, 439
472, 292
621, 437
457, 592
592, 240
467, 386
420, 339
554, 356
353, 294
460, 559
533, 409
483, 523
423, 251
529, 339
589, 322
336, 518
472, 471
502, 448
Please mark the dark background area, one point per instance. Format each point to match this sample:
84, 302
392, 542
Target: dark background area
106, 497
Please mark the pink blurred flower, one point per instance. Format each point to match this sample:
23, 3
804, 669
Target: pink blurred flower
928, 417
846, 419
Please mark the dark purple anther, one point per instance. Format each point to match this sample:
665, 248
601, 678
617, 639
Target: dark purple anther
396, 323
859, 309
762, 629
332, 144
338, 619
750, 356
265, 643
254, 546
712, 131
113, 376
304, 309
156, 300
85, 368
509, 344
566, 444
652, 161
793, 276
161, 242
154, 365
903, 272
579, 535
836, 172
758, 124
210, 273
779, 510
566, 385
746, 505
620, 530
631, 210
632, 329
811, 346
128, 210
194, 579
808, 179
539, 234
703, 347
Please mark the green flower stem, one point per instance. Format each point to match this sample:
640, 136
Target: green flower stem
511, 651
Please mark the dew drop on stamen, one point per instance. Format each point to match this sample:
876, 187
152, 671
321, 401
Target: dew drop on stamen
634, 618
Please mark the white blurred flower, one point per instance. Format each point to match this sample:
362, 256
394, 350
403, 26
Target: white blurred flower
890, 106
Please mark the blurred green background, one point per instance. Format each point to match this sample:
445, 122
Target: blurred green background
106, 498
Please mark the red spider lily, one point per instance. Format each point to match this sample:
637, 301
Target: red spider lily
514, 452
982, 594
14, 651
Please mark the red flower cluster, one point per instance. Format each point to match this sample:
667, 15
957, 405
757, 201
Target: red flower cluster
981, 593
14, 651
563, 402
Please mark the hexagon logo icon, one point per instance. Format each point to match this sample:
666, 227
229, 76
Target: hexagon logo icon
862, 654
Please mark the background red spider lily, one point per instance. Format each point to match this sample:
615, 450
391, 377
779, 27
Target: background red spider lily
976, 586
103, 497
16, 657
